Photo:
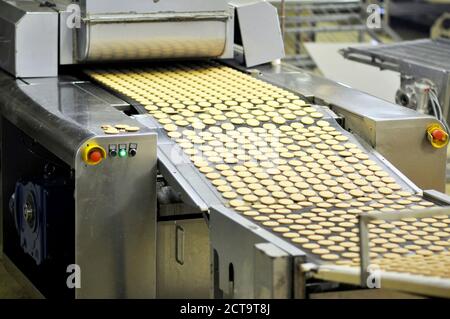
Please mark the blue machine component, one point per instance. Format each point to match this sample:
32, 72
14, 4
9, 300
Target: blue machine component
29, 206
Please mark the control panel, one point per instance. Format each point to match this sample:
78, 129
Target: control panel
94, 154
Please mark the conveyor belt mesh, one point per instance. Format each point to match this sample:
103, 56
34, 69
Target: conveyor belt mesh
286, 165
426, 52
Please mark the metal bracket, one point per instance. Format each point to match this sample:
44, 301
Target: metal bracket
273, 276
259, 30
366, 218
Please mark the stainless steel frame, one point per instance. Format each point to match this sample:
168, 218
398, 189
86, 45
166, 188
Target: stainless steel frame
183, 259
417, 60
75, 108
389, 129
391, 282
115, 243
28, 33
420, 284
128, 242
249, 261
115, 227
259, 31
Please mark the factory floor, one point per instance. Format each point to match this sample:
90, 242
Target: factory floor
9, 287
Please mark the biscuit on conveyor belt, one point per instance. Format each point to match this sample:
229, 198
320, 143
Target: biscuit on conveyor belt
286, 165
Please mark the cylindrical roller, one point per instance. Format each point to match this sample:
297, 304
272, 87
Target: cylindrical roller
150, 39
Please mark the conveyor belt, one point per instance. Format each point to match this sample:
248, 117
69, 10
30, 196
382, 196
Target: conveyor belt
287, 165
425, 52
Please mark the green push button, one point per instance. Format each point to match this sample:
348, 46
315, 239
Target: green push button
123, 153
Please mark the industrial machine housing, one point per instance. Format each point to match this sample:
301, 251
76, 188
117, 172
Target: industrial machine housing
138, 223
423, 67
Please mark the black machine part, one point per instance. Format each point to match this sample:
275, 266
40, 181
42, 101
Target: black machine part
38, 192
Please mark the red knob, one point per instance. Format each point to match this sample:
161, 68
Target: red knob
438, 135
95, 156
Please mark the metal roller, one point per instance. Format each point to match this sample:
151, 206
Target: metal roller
143, 37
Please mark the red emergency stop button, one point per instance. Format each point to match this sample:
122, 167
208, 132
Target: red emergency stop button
437, 136
93, 154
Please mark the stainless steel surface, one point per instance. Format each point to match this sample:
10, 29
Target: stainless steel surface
395, 138
110, 31
28, 39
103, 95
233, 239
170, 204
274, 276
139, 30
391, 281
115, 227
390, 129
415, 60
234, 274
436, 196
115, 244
395, 170
259, 29
66, 38
364, 294
54, 105
107, 217
183, 259
32, 118
431, 53
412, 282
179, 171
150, 40
140, 6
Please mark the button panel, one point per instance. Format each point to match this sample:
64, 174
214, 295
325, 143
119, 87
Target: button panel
93, 154
123, 150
